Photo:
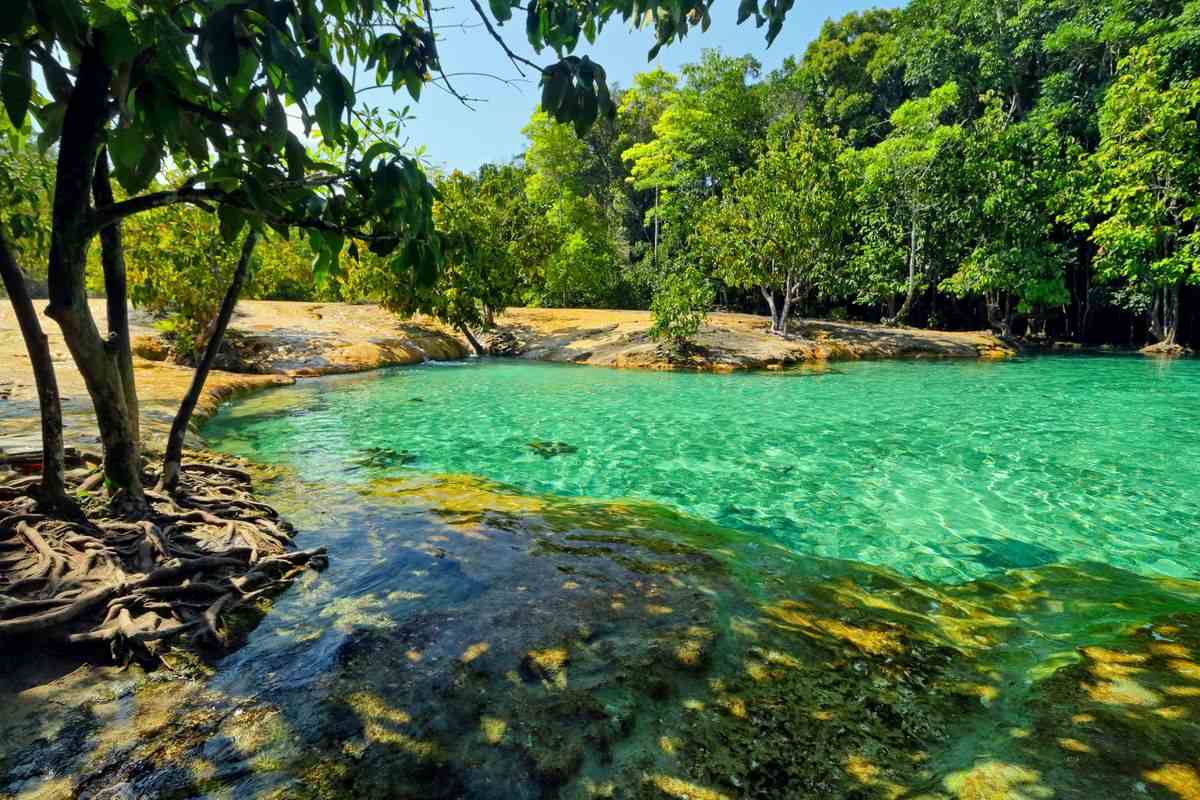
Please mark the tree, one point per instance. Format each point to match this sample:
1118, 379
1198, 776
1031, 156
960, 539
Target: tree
566, 182
486, 223
1149, 166
902, 199
850, 78
782, 226
681, 302
1014, 176
699, 142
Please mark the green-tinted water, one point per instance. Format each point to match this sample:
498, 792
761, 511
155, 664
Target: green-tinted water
474, 640
946, 471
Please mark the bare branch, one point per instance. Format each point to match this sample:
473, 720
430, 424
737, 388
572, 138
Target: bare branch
513, 57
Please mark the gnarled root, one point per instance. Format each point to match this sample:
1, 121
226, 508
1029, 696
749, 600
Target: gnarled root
136, 581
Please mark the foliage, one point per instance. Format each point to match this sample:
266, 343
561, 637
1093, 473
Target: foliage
1149, 168
782, 227
681, 302
905, 197
1014, 174
26, 183
177, 263
849, 78
489, 229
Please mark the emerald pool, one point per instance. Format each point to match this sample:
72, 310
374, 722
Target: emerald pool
944, 471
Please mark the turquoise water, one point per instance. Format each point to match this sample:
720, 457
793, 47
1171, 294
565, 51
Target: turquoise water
944, 471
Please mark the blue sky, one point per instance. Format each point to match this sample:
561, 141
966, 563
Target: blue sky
456, 137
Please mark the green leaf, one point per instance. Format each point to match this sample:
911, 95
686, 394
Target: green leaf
378, 149
533, 26
117, 44
16, 84
223, 56
67, 17
502, 9
554, 89
277, 129
127, 146
413, 81
296, 157
232, 221
51, 119
332, 90
745, 9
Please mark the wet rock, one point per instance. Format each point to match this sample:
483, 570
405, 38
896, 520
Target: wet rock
502, 343
551, 449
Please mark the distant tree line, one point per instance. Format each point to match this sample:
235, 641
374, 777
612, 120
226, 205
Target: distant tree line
1033, 167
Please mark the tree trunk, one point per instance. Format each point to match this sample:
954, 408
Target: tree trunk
789, 292
902, 315
769, 294
53, 461
174, 454
1165, 314
71, 232
112, 258
475, 345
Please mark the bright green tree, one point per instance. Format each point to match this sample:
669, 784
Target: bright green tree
782, 227
902, 199
1014, 174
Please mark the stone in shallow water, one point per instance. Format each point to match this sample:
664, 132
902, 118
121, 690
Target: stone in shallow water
551, 449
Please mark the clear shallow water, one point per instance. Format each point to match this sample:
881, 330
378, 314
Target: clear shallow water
944, 471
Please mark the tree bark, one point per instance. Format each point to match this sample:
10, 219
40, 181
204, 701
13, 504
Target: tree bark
174, 453
475, 345
53, 460
1164, 321
116, 293
902, 315
788, 290
71, 232
769, 295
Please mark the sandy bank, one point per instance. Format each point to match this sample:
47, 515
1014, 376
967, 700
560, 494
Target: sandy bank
272, 343
727, 341
276, 342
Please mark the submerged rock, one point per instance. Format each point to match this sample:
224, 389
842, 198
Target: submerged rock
551, 449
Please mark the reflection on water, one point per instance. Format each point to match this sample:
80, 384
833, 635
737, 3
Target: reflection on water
469, 640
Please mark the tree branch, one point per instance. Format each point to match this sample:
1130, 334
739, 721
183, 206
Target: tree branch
190, 194
513, 57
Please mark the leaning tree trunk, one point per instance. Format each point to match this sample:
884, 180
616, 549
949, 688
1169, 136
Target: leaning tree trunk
72, 229
769, 296
475, 345
173, 457
53, 462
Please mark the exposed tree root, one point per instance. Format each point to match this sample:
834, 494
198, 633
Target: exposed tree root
134, 579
